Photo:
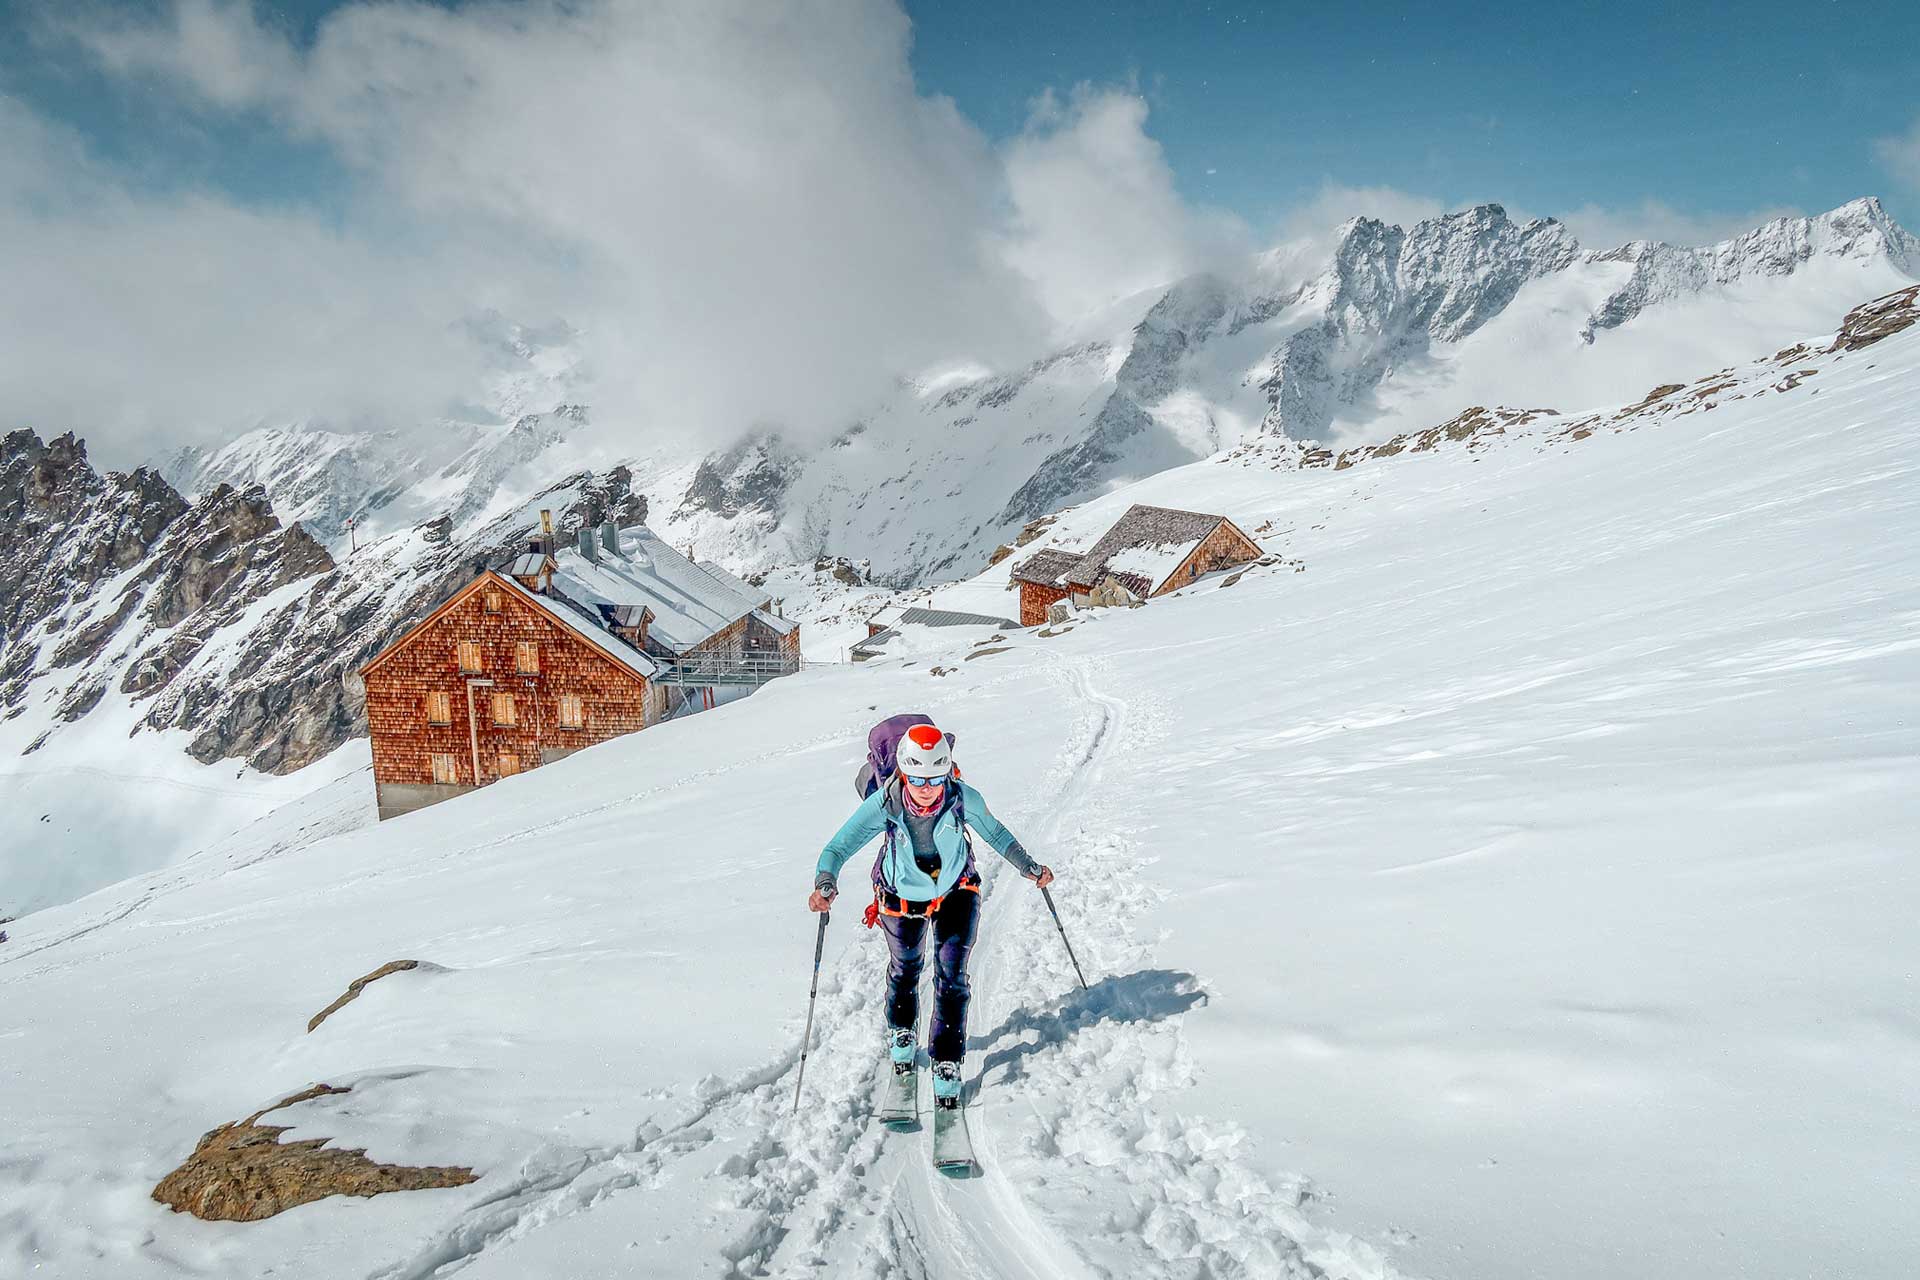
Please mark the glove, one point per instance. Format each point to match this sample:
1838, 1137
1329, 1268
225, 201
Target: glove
825, 885
1041, 875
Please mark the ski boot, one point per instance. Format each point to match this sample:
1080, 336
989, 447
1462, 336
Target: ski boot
901, 1048
900, 1095
946, 1085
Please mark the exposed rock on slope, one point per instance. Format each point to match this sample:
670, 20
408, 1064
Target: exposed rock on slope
242, 1172
358, 985
1881, 318
64, 531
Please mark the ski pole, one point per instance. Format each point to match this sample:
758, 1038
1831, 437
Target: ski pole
1048, 895
806, 1037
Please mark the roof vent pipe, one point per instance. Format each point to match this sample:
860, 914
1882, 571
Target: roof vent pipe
610, 537
588, 548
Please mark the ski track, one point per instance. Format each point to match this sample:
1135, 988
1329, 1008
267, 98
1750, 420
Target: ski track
1083, 1176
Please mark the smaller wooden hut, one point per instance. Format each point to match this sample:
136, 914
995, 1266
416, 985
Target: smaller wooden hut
1148, 552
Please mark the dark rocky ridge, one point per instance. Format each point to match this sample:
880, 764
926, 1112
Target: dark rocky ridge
195, 611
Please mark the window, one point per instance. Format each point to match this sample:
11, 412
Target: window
439, 708
573, 714
509, 764
526, 658
470, 655
503, 709
493, 602
445, 771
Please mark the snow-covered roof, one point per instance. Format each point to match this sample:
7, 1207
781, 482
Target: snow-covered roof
1151, 564
953, 618
779, 625
726, 578
690, 602
888, 617
1149, 529
876, 642
1045, 566
607, 643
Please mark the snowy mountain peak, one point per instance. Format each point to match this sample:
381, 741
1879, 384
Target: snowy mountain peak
1858, 234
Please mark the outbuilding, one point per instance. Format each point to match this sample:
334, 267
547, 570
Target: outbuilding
1148, 552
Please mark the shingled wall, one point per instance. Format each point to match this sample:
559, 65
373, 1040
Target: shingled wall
405, 743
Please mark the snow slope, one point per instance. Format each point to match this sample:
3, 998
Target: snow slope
1510, 879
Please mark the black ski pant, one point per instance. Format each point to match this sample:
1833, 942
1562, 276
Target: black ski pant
952, 928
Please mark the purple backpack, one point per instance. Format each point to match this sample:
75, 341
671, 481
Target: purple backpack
883, 740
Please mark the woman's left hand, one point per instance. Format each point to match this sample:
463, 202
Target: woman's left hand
1044, 877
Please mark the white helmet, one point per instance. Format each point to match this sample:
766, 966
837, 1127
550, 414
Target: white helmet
924, 752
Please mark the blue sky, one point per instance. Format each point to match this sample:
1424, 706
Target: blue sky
1548, 108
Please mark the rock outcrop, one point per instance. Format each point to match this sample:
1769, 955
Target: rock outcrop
358, 985
242, 1172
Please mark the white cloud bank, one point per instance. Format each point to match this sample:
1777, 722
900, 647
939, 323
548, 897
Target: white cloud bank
749, 209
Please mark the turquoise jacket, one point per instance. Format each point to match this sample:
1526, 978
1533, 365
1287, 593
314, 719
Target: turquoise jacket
897, 868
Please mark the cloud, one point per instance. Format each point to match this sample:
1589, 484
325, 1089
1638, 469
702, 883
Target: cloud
218, 48
1602, 227
1095, 213
749, 211
1333, 203
1899, 155
142, 320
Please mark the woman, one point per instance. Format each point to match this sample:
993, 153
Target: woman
925, 875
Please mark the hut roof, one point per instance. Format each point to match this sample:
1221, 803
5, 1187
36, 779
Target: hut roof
774, 622
1045, 567
527, 564
690, 602
582, 626
954, 618
1146, 543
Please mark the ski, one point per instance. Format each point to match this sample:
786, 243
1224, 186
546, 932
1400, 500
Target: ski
952, 1148
899, 1099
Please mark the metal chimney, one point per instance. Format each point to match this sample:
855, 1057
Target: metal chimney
610, 538
589, 549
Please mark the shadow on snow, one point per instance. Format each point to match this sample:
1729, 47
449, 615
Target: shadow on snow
1149, 995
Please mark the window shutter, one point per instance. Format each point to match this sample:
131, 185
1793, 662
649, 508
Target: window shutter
527, 658
503, 709
470, 655
445, 771
572, 711
509, 764
493, 602
439, 708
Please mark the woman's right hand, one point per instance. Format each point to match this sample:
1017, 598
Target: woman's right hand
820, 901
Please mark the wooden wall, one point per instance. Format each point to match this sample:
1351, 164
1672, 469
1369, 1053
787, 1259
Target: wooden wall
1035, 600
405, 744
1225, 547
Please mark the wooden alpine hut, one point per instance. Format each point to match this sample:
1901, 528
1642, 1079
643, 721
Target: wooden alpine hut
559, 650
1148, 552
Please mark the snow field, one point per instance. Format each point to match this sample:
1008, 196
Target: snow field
1530, 872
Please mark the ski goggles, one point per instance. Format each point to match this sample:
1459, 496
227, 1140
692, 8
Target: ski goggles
916, 781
